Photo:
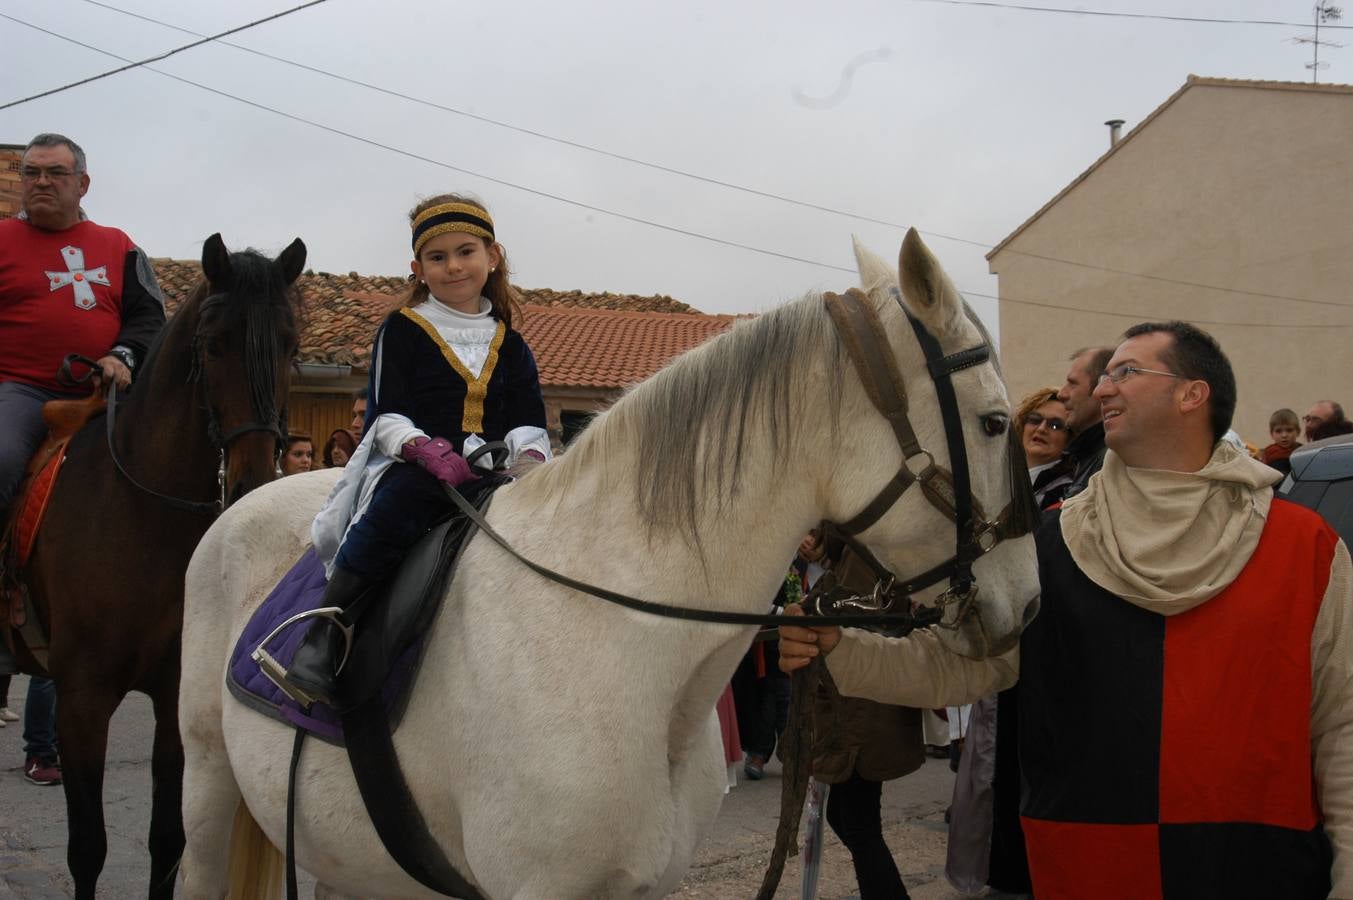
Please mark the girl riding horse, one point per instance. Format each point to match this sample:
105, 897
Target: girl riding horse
448, 373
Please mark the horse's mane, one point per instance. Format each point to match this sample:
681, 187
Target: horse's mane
268, 318
689, 431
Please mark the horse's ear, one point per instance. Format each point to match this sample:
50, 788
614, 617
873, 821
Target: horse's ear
927, 291
875, 274
216, 262
292, 260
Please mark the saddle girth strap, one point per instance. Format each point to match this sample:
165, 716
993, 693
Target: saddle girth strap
390, 803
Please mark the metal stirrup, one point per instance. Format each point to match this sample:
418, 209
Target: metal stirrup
277, 673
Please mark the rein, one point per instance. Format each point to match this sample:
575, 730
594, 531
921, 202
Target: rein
222, 443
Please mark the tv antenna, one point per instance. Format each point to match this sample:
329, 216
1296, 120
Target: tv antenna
1324, 12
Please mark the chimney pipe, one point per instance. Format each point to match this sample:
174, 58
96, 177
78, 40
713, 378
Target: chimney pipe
1115, 126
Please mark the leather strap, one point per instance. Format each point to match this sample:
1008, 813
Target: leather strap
862, 333
716, 616
212, 508
389, 802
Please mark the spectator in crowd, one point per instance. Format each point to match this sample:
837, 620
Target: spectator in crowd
1332, 428
761, 690
67, 285
1082, 414
358, 424
1042, 422
7, 715
1284, 427
299, 455
1323, 411
338, 448
1182, 603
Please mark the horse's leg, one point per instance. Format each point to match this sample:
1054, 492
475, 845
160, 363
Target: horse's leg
166, 772
83, 708
211, 800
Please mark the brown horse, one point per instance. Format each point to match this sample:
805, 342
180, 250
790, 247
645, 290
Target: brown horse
201, 427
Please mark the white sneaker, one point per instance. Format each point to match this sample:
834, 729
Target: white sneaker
7, 715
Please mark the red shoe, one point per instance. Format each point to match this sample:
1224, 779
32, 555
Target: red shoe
42, 772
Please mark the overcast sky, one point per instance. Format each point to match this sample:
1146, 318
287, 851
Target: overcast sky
958, 120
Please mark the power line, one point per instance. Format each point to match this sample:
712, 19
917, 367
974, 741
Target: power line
1140, 317
692, 175
661, 226
1180, 281
567, 142
165, 55
445, 165
1123, 15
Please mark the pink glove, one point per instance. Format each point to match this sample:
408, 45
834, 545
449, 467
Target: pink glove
437, 456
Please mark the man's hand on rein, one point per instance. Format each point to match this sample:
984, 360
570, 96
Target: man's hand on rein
113, 369
800, 643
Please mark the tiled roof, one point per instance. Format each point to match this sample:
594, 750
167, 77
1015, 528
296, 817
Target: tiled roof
579, 340
1192, 81
342, 312
607, 348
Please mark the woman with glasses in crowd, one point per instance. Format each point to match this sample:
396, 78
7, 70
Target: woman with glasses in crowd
1041, 418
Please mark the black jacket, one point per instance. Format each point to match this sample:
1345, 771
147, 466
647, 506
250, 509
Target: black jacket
1087, 449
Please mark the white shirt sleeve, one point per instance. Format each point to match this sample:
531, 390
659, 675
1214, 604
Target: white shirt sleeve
916, 670
1332, 718
391, 431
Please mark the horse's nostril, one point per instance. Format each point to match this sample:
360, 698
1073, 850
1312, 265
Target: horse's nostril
1031, 610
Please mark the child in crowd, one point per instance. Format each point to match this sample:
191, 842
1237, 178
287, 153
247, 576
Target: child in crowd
448, 374
1284, 427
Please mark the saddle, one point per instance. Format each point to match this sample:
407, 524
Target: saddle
63, 419
388, 645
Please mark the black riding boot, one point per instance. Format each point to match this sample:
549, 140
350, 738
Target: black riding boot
314, 668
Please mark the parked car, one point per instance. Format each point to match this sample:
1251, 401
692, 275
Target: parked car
1322, 479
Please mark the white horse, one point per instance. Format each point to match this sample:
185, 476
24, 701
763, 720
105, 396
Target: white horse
559, 746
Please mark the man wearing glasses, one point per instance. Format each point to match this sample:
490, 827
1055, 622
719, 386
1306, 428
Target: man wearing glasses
1082, 414
1322, 412
67, 285
1192, 644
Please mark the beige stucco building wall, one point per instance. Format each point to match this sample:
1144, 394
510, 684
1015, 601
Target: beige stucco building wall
1228, 207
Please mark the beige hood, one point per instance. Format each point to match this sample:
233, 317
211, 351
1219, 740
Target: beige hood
1168, 541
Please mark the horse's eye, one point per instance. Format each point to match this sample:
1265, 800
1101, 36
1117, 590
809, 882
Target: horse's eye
995, 425
213, 346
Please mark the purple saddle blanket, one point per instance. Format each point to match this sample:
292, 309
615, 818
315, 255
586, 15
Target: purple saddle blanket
300, 589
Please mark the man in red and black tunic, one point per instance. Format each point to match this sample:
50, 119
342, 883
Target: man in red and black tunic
67, 286
1186, 691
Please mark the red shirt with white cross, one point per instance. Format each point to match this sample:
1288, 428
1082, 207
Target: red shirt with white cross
60, 293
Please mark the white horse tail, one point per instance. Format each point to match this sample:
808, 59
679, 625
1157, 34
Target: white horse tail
255, 871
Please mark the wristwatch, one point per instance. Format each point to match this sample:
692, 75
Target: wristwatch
125, 356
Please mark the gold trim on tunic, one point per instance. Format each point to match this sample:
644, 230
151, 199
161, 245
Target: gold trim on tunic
476, 389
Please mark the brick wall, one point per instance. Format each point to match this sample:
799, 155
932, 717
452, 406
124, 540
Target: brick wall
9, 179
